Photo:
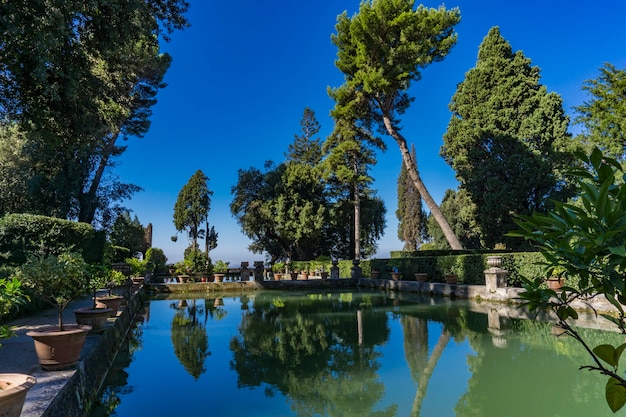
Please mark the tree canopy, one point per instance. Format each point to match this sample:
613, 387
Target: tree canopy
507, 139
90, 77
192, 207
603, 115
381, 50
412, 228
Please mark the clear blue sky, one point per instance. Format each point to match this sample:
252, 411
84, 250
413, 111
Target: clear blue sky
243, 73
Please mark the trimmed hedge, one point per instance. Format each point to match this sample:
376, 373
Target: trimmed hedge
469, 267
22, 235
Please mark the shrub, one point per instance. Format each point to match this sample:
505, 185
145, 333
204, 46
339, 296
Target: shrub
157, 258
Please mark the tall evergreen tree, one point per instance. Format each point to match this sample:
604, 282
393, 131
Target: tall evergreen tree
305, 147
128, 233
603, 116
192, 207
506, 139
412, 225
381, 49
350, 153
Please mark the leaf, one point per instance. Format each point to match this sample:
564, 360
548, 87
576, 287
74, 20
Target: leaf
606, 353
615, 394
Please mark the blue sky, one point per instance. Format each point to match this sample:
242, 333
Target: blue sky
243, 73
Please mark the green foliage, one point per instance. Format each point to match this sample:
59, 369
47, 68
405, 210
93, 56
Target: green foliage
11, 297
507, 140
91, 77
25, 235
55, 279
585, 240
603, 116
138, 267
305, 148
412, 227
192, 206
157, 258
461, 214
128, 233
197, 261
220, 267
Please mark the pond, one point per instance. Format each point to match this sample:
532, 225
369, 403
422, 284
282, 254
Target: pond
346, 354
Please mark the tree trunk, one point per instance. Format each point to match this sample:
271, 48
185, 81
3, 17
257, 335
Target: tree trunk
357, 216
88, 203
412, 171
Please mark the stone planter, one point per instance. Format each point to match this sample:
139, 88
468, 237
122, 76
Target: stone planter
278, 276
218, 277
451, 278
94, 317
59, 349
114, 302
375, 274
13, 390
324, 275
294, 276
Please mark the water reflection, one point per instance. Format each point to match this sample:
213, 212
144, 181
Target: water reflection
356, 354
308, 349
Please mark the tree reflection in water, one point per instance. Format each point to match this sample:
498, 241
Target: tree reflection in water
189, 338
307, 348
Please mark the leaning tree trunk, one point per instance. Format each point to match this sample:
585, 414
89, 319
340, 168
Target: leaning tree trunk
412, 171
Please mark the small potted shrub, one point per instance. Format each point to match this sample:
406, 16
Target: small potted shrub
278, 268
94, 316
219, 270
115, 279
56, 280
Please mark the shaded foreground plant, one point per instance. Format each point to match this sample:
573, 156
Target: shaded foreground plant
586, 239
55, 280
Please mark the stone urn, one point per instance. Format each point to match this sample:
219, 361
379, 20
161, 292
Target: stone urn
494, 261
451, 278
114, 302
421, 277
13, 390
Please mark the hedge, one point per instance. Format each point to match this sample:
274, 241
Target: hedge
22, 235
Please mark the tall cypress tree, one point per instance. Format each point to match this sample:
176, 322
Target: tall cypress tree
506, 139
410, 213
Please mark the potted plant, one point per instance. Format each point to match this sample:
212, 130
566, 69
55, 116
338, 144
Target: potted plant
57, 280
13, 387
305, 271
219, 270
278, 268
375, 274
451, 278
114, 302
421, 277
94, 316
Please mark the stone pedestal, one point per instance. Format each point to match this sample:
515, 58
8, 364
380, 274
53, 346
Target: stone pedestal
258, 271
334, 270
355, 271
245, 272
495, 277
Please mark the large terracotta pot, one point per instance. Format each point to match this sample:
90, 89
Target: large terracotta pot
555, 283
13, 390
94, 317
421, 277
375, 274
218, 277
59, 350
113, 302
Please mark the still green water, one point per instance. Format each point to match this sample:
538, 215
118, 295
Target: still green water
346, 354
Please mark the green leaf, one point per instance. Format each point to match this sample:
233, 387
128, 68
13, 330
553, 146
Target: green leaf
607, 354
615, 394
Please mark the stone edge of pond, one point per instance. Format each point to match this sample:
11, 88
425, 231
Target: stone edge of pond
74, 396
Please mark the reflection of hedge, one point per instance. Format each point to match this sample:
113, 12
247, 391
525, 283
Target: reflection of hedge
24, 234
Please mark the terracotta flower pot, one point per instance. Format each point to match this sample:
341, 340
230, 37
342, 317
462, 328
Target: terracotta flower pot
375, 274
218, 277
555, 283
59, 350
451, 278
13, 390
